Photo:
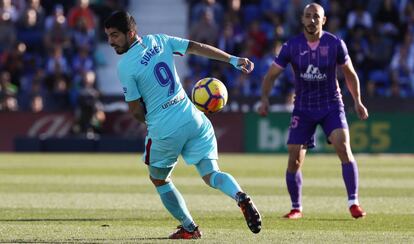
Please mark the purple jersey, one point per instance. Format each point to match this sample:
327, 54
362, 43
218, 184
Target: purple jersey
314, 65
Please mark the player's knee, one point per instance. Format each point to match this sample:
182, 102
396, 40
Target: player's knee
209, 179
342, 148
159, 182
294, 165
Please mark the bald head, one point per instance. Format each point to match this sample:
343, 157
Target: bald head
316, 7
313, 19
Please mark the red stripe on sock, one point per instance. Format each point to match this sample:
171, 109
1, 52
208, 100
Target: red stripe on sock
148, 150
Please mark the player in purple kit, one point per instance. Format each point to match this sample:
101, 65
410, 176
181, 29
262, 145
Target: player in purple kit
314, 56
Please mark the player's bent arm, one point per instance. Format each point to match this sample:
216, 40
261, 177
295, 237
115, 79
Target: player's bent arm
269, 79
208, 51
211, 52
352, 81
267, 85
137, 110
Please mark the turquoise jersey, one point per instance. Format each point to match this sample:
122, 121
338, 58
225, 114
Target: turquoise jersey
147, 73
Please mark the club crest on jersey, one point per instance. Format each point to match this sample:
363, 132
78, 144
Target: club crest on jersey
324, 51
313, 74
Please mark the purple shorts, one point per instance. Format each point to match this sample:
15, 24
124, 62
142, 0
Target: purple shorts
303, 125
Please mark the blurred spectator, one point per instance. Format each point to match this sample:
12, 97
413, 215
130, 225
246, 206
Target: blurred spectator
205, 30
60, 93
402, 69
57, 33
272, 9
359, 17
9, 10
8, 91
7, 32
30, 30
58, 17
82, 62
13, 62
334, 27
358, 47
57, 69
242, 86
6, 86
103, 9
256, 38
37, 104
40, 12
81, 11
293, 13
387, 18
57, 63
228, 41
32, 65
89, 114
197, 12
82, 35
9, 103
379, 55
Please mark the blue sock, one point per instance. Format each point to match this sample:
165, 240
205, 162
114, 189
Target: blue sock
175, 204
225, 183
350, 176
294, 185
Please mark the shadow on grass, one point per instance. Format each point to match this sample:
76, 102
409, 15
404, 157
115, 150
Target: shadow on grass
328, 219
91, 240
72, 219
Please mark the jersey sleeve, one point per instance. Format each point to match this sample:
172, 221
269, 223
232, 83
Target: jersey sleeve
129, 85
342, 53
283, 59
178, 45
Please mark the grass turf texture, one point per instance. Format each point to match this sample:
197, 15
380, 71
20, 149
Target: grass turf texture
95, 198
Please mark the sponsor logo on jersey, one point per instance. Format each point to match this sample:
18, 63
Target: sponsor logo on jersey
313, 74
173, 101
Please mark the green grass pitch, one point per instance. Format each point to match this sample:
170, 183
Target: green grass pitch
107, 198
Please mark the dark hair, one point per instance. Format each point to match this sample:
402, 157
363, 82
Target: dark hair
120, 20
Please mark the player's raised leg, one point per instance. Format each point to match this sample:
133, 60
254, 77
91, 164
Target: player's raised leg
226, 183
340, 140
174, 203
297, 154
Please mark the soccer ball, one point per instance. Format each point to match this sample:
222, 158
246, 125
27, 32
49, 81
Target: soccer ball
209, 95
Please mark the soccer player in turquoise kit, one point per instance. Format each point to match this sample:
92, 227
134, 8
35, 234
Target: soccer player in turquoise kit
314, 55
156, 97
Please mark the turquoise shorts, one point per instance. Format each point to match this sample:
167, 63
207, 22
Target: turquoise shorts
194, 141
204, 167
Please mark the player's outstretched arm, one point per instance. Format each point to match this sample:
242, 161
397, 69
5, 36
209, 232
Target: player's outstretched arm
352, 82
201, 49
267, 85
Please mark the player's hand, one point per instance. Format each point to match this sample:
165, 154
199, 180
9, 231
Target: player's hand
243, 64
263, 109
361, 111
246, 65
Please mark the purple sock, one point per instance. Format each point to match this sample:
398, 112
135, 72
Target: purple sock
350, 175
294, 185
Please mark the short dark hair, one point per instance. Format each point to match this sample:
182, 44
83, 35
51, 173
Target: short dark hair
120, 20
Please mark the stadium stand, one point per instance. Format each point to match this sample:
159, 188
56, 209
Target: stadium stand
54, 56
